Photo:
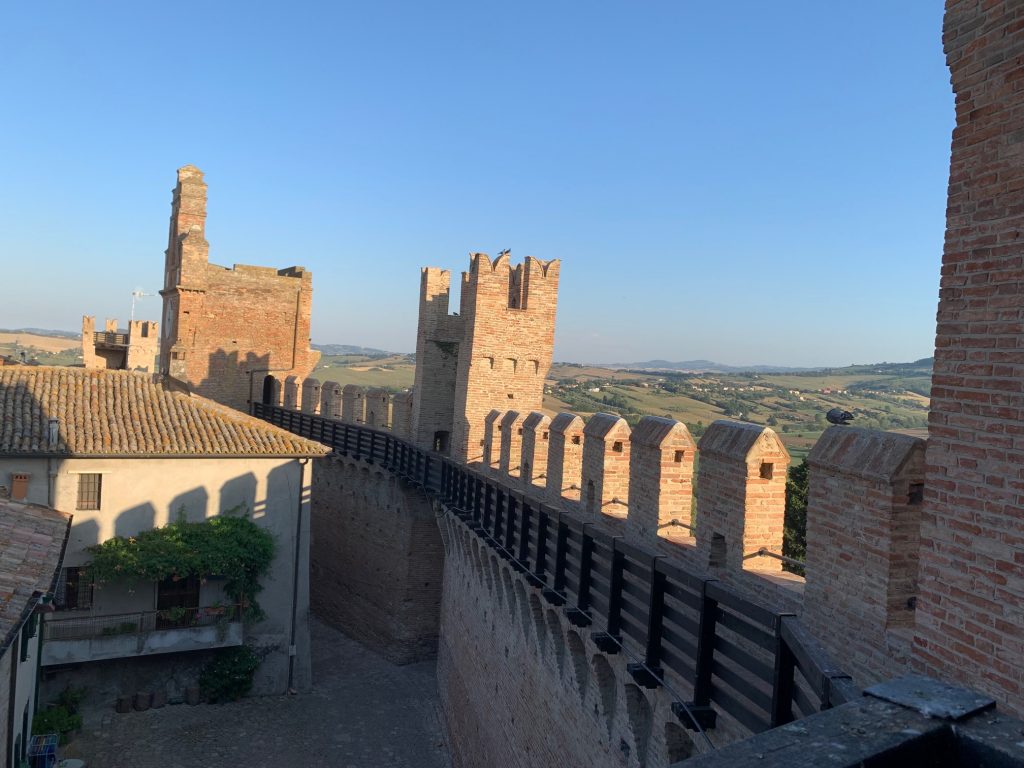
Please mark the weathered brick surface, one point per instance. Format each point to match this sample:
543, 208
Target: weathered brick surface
376, 559
353, 404
565, 458
522, 688
510, 457
970, 617
863, 517
311, 396
138, 353
226, 329
495, 353
330, 400
533, 465
741, 495
378, 408
401, 414
491, 454
660, 479
605, 474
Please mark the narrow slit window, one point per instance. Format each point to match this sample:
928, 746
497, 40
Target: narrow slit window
767, 470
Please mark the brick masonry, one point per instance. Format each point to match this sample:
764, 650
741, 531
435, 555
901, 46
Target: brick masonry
970, 612
225, 330
496, 353
376, 559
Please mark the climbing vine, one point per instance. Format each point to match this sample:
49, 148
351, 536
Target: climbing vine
230, 546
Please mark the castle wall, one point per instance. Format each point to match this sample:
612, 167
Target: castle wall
376, 559
970, 611
224, 329
439, 339
523, 688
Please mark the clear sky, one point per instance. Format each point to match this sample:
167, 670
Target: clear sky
748, 182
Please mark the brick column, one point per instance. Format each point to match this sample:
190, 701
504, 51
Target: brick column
565, 458
741, 495
533, 465
660, 479
605, 465
291, 392
330, 400
492, 440
511, 443
311, 396
353, 404
863, 517
970, 613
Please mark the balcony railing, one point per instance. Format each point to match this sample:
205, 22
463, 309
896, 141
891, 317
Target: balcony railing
88, 627
110, 339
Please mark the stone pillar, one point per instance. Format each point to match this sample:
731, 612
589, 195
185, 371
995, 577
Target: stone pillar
660, 480
353, 404
741, 496
511, 443
863, 518
492, 440
330, 400
565, 458
605, 465
401, 414
378, 408
291, 392
89, 357
311, 396
533, 465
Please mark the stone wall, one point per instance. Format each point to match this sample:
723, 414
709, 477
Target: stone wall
376, 559
970, 612
225, 329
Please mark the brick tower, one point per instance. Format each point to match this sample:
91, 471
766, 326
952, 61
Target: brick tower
496, 353
225, 330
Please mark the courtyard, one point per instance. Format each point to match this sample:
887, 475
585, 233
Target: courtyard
362, 712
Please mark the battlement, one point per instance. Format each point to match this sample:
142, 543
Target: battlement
134, 349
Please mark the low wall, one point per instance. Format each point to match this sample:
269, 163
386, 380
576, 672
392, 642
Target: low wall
376, 558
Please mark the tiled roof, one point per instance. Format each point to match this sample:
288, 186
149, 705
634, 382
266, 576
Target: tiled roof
32, 542
120, 413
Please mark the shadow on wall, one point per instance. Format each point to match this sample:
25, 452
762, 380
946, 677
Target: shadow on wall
193, 504
238, 494
233, 381
134, 520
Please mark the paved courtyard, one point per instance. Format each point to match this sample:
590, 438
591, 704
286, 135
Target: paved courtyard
363, 712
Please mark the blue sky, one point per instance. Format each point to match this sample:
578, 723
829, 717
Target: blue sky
748, 182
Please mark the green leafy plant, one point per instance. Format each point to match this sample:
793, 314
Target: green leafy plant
71, 698
124, 628
229, 676
56, 719
231, 546
794, 541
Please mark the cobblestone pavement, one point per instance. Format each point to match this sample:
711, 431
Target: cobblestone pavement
362, 713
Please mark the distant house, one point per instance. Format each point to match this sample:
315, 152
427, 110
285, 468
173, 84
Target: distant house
32, 540
126, 455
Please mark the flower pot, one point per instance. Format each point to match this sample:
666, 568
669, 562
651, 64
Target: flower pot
142, 700
124, 704
192, 696
159, 699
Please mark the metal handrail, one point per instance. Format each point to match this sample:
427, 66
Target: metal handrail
765, 552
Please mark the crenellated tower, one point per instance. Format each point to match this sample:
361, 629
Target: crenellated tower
225, 330
496, 353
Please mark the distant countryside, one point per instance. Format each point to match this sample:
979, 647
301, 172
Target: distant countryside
888, 396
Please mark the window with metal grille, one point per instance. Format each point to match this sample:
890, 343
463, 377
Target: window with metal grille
89, 491
74, 590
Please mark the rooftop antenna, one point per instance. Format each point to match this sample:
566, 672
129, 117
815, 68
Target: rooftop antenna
137, 294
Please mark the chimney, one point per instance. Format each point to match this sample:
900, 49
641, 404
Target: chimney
52, 433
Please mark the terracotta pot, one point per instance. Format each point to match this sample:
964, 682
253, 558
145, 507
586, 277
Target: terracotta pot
124, 704
142, 700
159, 699
192, 696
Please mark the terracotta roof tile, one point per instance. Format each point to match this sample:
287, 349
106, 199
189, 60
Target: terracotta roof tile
31, 547
120, 413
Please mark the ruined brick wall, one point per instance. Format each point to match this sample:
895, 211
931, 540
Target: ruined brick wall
224, 329
496, 353
971, 608
438, 344
135, 350
376, 559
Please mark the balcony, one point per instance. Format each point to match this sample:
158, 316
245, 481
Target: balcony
110, 339
95, 638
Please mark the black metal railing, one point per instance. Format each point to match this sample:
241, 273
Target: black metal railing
759, 666
87, 627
